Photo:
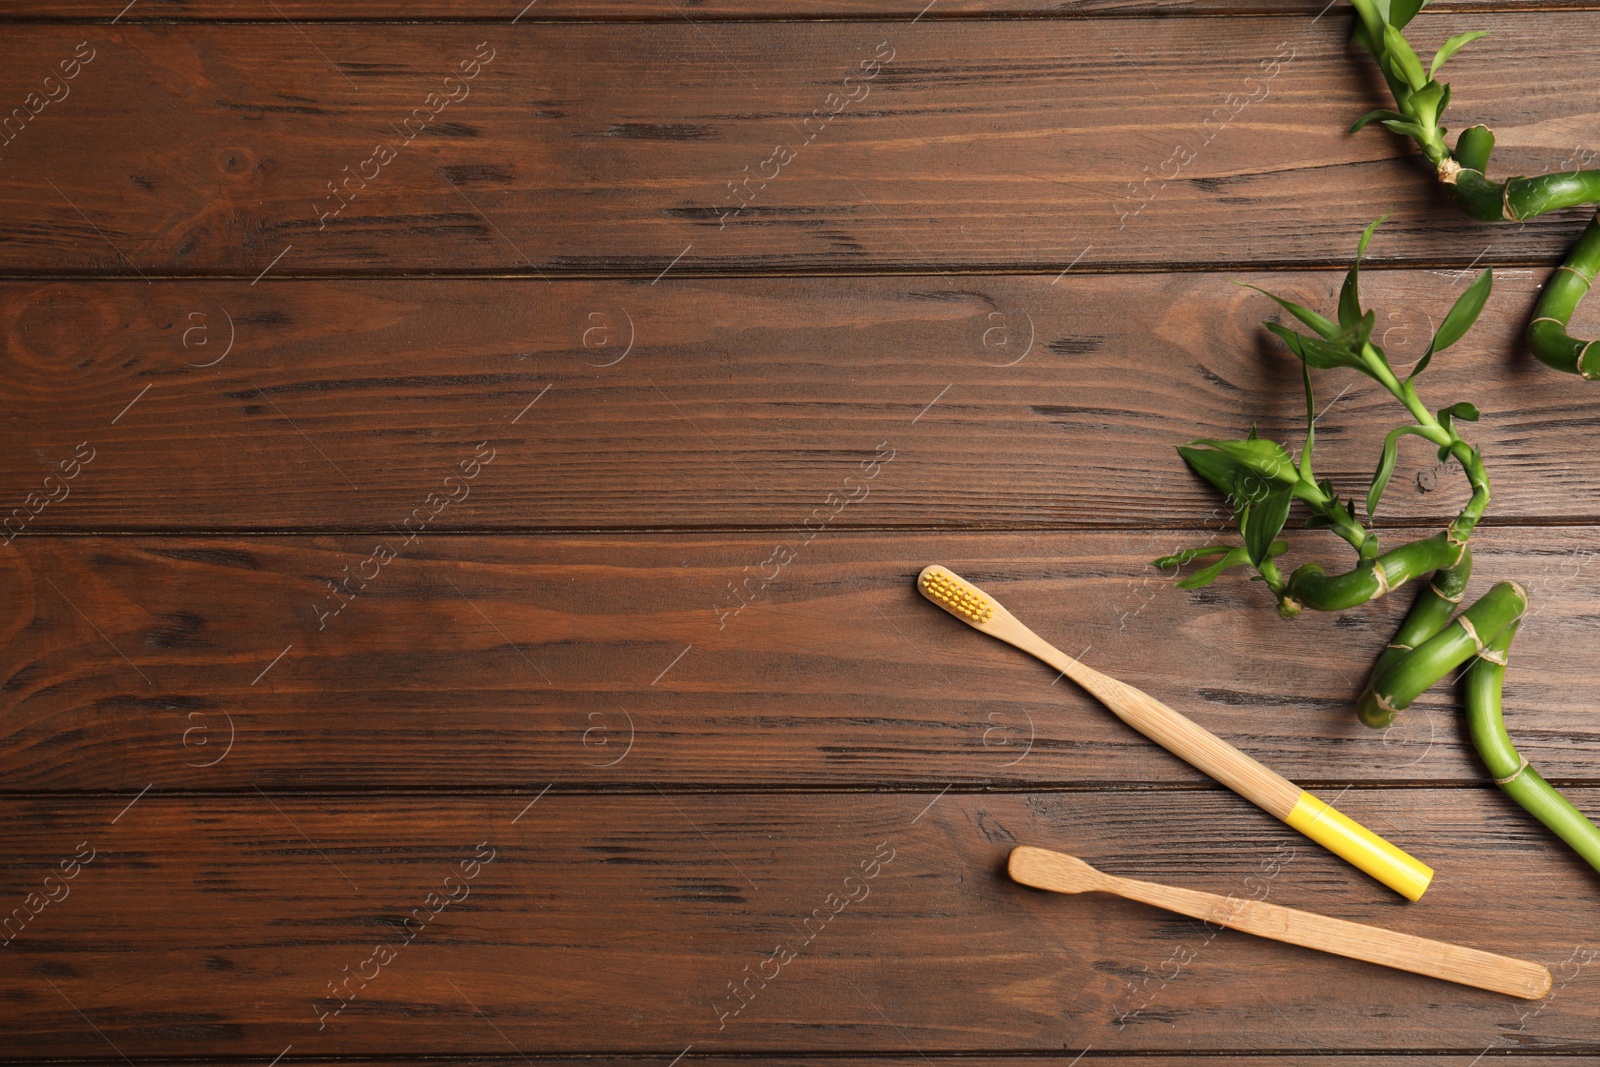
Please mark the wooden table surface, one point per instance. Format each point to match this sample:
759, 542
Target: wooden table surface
472, 468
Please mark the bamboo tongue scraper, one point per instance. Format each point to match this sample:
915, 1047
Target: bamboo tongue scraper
1062, 873
1204, 750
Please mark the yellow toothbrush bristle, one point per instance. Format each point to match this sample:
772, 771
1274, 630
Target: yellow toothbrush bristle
956, 595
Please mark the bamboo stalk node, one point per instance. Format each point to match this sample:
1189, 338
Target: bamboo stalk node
1382, 577
1588, 282
1396, 644
1442, 595
1472, 632
1449, 169
1495, 656
1523, 761
1589, 368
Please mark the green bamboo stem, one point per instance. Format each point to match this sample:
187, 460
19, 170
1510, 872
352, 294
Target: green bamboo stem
1363, 540
1435, 605
1470, 459
1517, 200
1310, 587
1547, 333
1514, 199
1402, 679
1512, 773
1520, 199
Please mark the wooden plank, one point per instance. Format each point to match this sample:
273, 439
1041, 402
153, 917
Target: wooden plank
613, 148
1005, 401
617, 923
916, 1059
700, 10
515, 662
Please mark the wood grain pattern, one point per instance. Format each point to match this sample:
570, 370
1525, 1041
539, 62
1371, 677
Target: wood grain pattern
1046, 1058
342, 405
692, 10
505, 662
625, 918
611, 148
670, 472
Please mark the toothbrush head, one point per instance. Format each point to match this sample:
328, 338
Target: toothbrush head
956, 595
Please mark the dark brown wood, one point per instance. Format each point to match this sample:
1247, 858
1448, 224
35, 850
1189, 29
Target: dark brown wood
611, 148
693, 10
626, 662
1006, 401
616, 924
960, 325
1064, 1058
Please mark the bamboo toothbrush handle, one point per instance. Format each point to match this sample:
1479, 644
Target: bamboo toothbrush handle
1205, 750
1261, 785
1390, 948
1181, 735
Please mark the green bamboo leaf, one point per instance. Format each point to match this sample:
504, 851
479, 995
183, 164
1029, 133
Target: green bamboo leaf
1451, 47
1462, 410
1325, 327
1370, 33
1235, 557
1464, 313
1323, 355
1364, 38
1373, 116
1264, 523
1267, 458
1188, 555
1206, 575
1318, 522
1424, 103
1406, 63
1214, 467
1289, 337
1408, 129
1367, 235
1326, 354
1311, 424
1386, 462
1403, 11
1349, 294
1362, 332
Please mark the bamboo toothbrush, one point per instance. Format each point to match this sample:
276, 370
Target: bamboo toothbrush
1202, 749
1060, 873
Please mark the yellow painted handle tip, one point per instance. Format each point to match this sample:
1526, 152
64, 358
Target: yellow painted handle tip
1344, 837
